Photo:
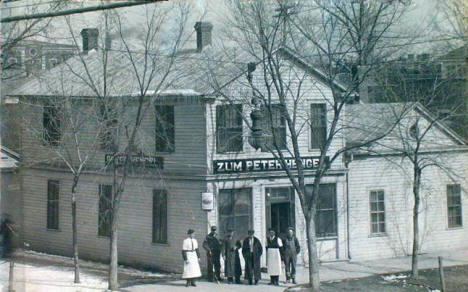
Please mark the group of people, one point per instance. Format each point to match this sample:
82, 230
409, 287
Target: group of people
278, 250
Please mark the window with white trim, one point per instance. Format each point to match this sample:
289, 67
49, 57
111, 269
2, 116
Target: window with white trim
377, 211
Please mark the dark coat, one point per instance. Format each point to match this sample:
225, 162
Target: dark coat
230, 253
252, 260
212, 245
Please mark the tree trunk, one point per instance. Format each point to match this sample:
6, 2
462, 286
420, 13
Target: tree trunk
416, 189
113, 266
75, 232
314, 280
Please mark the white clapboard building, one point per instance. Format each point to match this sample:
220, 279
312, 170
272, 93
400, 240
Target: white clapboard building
204, 172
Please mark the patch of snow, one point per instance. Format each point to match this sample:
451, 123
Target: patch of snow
394, 278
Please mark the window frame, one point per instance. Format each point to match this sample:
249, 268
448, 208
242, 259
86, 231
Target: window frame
168, 143
53, 205
384, 212
323, 127
227, 132
232, 191
54, 127
334, 210
104, 230
274, 109
458, 206
162, 224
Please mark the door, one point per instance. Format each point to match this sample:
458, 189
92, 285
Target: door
279, 206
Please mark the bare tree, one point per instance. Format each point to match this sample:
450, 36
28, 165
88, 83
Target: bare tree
319, 37
146, 67
424, 84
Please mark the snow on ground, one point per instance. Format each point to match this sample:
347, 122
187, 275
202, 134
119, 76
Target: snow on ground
40, 272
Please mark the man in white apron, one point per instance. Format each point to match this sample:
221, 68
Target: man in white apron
274, 244
191, 259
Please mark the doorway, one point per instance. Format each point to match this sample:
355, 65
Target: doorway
280, 214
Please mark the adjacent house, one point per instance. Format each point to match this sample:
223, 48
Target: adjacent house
199, 170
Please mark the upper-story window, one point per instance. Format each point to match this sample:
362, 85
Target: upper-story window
165, 132
108, 128
318, 125
274, 125
51, 125
229, 128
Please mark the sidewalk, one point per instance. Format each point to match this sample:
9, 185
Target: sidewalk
42, 272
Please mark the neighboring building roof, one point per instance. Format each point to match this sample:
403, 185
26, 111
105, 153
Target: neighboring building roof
365, 122
9, 159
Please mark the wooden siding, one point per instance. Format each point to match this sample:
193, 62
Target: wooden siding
135, 222
394, 177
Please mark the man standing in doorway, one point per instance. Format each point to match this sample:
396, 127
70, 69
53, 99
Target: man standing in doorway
290, 251
252, 251
213, 253
274, 244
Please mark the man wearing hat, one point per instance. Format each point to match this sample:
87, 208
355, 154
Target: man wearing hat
213, 253
252, 251
291, 248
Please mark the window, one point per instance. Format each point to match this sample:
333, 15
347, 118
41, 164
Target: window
454, 206
229, 128
160, 216
51, 124
274, 125
326, 218
105, 200
165, 137
318, 125
235, 211
377, 211
53, 204
108, 127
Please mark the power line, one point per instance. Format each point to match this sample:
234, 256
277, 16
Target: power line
77, 10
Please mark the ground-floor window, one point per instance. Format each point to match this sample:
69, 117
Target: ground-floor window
160, 216
104, 217
235, 211
326, 217
53, 204
454, 209
377, 212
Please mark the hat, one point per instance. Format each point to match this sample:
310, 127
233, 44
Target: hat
251, 231
190, 231
291, 228
213, 228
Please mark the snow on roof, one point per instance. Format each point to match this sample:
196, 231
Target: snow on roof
9, 159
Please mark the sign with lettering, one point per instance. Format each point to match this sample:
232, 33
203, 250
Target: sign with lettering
262, 164
139, 160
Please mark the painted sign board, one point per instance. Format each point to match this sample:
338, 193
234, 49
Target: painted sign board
143, 160
261, 164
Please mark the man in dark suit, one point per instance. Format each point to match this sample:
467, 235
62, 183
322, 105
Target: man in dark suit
252, 251
212, 245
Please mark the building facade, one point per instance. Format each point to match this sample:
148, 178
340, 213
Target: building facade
200, 170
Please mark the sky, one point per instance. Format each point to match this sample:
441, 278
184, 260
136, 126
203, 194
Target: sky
421, 16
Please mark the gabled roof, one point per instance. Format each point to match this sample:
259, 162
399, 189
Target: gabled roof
189, 73
9, 159
372, 120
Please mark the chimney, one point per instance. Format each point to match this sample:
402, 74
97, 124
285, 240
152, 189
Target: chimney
203, 34
90, 39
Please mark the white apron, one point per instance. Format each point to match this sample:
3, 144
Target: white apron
192, 268
274, 260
